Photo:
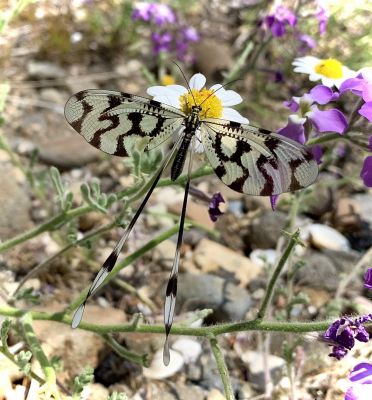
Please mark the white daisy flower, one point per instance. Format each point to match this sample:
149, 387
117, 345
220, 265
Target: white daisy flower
216, 106
330, 71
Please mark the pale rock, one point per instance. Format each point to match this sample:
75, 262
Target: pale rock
44, 70
215, 394
77, 348
211, 256
346, 216
95, 391
197, 212
255, 362
325, 237
68, 152
262, 257
157, 369
364, 202
164, 253
318, 297
189, 348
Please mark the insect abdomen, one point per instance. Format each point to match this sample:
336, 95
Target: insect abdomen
180, 158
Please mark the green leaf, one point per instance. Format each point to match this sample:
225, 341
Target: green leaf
117, 396
82, 380
23, 361
4, 332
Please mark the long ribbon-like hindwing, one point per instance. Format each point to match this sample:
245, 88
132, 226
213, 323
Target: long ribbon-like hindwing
112, 258
171, 291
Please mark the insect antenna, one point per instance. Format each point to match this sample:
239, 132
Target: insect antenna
222, 86
110, 262
187, 83
171, 291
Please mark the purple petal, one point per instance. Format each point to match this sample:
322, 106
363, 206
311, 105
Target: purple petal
346, 338
292, 104
321, 94
294, 129
338, 352
361, 372
353, 84
368, 279
366, 111
213, 210
317, 152
332, 120
278, 28
366, 173
322, 17
273, 200
361, 334
367, 91
306, 40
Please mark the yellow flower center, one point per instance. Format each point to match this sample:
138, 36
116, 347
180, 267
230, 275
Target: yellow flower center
211, 108
167, 80
330, 68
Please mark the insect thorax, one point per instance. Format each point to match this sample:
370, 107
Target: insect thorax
192, 123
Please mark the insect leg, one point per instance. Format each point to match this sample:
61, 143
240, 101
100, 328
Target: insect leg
109, 264
171, 291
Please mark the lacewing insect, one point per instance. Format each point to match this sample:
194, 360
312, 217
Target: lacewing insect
247, 159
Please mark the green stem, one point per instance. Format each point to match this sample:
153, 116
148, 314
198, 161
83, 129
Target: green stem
141, 359
253, 325
271, 286
222, 368
35, 347
49, 225
324, 138
238, 65
11, 357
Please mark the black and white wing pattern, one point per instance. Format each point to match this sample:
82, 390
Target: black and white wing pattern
255, 161
114, 121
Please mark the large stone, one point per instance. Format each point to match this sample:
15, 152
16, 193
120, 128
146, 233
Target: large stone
44, 70
15, 202
256, 364
265, 230
229, 302
68, 152
211, 256
76, 347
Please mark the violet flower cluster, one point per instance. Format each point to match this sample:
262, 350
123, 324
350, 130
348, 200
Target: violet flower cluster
327, 120
170, 34
283, 18
343, 333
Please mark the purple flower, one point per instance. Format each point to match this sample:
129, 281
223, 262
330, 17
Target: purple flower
307, 41
161, 41
213, 209
361, 377
158, 13
366, 110
342, 334
190, 34
273, 200
366, 172
278, 21
294, 129
322, 17
331, 120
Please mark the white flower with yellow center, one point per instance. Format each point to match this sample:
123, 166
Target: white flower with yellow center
330, 71
215, 102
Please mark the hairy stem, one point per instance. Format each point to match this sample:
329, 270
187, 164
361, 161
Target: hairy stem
253, 325
141, 359
31, 339
222, 368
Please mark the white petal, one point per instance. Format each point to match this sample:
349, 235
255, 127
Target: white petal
197, 81
329, 82
233, 115
217, 86
164, 95
315, 77
180, 90
308, 60
229, 97
304, 69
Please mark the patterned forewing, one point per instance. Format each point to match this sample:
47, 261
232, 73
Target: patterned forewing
114, 121
255, 161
